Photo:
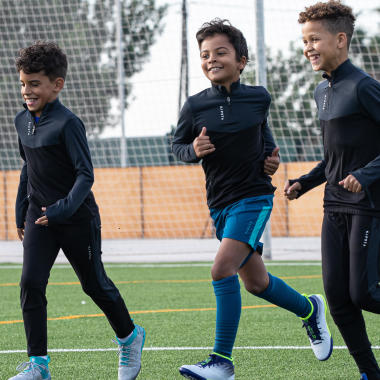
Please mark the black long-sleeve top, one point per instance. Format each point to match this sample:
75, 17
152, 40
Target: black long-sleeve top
349, 111
57, 171
236, 123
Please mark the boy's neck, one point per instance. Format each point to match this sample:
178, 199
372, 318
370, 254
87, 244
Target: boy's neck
336, 64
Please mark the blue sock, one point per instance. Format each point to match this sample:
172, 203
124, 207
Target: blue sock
228, 310
281, 294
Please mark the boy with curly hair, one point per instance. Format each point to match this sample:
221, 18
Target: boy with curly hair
348, 104
55, 209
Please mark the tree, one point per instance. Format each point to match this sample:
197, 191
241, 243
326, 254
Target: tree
85, 29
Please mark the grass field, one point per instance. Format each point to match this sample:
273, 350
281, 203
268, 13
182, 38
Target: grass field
176, 306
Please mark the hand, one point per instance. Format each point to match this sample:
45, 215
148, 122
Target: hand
20, 233
291, 192
272, 162
202, 144
43, 221
351, 184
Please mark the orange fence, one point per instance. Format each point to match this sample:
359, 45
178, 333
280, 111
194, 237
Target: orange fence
170, 202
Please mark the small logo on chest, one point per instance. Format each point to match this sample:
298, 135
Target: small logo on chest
324, 105
221, 110
365, 239
30, 128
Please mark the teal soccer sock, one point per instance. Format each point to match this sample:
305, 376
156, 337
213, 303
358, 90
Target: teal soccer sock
281, 294
228, 310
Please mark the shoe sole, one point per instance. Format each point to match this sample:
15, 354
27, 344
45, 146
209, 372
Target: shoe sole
190, 375
322, 303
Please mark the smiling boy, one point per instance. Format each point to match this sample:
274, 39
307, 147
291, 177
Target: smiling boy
226, 126
348, 104
55, 209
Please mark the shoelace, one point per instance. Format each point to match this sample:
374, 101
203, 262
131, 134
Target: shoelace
207, 362
312, 330
123, 352
29, 366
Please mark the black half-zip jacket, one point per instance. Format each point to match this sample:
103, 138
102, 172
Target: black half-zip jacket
349, 111
237, 125
57, 170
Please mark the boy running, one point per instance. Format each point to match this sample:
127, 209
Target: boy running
226, 126
55, 209
348, 104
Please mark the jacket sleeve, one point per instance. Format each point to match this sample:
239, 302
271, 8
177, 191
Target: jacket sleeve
74, 136
22, 201
313, 179
182, 145
269, 143
369, 98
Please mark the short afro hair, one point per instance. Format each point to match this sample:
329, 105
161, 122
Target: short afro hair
334, 15
234, 35
43, 56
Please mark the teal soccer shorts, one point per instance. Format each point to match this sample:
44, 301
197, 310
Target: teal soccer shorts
244, 220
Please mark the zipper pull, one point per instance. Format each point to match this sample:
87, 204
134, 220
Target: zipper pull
228, 100
330, 85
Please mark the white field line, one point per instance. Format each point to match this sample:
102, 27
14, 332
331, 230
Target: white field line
161, 265
257, 348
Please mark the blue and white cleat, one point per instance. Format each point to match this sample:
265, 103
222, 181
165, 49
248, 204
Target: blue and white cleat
35, 369
130, 354
317, 330
363, 377
215, 367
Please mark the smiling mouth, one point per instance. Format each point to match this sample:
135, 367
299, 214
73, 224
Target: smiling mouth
314, 58
215, 69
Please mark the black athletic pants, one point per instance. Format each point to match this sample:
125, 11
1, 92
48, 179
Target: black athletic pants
81, 244
351, 276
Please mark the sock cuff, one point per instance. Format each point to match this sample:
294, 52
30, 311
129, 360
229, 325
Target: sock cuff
226, 285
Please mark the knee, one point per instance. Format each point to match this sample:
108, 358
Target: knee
256, 285
31, 282
218, 272
361, 299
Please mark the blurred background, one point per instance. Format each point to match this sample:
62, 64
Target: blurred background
132, 64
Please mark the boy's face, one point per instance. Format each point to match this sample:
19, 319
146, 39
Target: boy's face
218, 60
37, 90
325, 50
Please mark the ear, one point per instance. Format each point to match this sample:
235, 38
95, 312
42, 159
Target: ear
59, 83
242, 62
342, 40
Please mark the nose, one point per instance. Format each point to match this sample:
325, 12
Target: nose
25, 89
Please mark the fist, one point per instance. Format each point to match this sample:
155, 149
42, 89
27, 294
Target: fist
202, 144
291, 192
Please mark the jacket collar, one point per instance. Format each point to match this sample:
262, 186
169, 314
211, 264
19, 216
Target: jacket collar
340, 72
222, 90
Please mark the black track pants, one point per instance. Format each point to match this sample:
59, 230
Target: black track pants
351, 276
81, 244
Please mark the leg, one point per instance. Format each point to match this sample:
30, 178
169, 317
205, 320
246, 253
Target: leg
82, 246
364, 247
262, 284
335, 269
40, 252
230, 255
364, 243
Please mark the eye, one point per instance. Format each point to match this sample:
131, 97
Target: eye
204, 56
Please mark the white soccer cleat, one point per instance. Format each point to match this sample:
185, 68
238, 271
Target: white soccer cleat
35, 369
216, 367
130, 354
317, 330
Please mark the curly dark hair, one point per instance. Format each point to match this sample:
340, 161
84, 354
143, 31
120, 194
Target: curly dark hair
234, 35
43, 56
334, 15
